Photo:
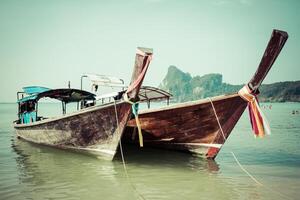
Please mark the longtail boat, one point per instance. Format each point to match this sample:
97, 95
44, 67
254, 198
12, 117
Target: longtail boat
202, 126
93, 129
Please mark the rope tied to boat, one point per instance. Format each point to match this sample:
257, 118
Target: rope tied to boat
234, 156
238, 162
135, 112
259, 123
123, 158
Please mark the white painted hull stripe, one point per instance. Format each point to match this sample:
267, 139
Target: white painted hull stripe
201, 144
190, 144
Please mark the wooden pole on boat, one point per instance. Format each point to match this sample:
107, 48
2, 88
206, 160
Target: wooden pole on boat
249, 92
276, 43
142, 58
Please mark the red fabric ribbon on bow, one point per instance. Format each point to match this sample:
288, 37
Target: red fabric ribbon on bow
259, 123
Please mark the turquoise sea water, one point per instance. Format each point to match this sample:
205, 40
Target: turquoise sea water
30, 171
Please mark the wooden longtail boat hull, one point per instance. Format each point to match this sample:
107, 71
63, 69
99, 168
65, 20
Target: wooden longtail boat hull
193, 126
190, 127
94, 130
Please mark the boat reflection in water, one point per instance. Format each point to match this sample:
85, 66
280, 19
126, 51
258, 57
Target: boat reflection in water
53, 173
34, 159
50, 172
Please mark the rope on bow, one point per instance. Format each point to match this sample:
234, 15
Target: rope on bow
259, 123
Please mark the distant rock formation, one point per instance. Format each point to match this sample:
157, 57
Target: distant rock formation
178, 84
184, 87
281, 92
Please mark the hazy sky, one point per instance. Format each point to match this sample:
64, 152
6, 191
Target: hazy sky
51, 42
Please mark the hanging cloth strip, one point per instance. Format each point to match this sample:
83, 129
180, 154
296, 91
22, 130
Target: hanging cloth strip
259, 123
135, 109
135, 105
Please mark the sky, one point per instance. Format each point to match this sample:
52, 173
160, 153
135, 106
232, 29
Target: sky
49, 43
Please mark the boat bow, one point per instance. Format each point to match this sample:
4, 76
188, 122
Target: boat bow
250, 91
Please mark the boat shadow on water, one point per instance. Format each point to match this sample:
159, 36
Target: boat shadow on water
147, 156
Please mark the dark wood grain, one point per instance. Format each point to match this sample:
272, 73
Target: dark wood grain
189, 127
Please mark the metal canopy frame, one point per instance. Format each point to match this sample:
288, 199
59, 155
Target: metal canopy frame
64, 95
149, 93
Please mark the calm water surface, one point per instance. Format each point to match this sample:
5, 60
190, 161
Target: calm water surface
30, 171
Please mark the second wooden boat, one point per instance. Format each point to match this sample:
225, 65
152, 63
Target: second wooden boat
203, 126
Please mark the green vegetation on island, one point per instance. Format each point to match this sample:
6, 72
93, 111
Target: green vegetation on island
184, 87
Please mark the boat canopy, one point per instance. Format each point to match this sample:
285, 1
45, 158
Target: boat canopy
148, 93
103, 80
65, 95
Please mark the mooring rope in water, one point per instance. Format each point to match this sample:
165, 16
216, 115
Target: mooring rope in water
234, 156
122, 156
238, 162
241, 166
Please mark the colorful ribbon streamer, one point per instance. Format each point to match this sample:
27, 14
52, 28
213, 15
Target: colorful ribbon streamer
135, 109
259, 123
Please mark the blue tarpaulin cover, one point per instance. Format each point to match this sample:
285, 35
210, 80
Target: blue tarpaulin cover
33, 92
34, 89
28, 117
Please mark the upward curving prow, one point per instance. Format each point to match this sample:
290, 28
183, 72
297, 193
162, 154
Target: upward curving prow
142, 61
272, 51
250, 91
